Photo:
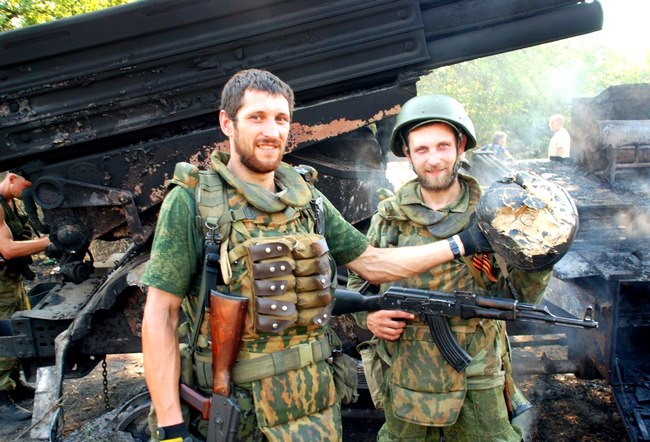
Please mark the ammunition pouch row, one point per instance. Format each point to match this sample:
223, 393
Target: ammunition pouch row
288, 280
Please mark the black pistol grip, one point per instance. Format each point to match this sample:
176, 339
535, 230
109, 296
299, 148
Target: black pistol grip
449, 348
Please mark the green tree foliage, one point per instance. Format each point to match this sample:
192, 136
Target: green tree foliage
21, 13
516, 92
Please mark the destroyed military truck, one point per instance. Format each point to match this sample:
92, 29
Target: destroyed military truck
608, 265
97, 109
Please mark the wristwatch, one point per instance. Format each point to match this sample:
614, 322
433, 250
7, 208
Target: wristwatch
454, 247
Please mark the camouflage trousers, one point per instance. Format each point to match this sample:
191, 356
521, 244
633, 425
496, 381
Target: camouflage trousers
12, 299
247, 432
248, 429
483, 418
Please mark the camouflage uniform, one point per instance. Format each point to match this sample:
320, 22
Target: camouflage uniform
12, 292
299, 403
424, 397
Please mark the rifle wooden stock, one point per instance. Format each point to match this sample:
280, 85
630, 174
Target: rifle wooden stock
227, 315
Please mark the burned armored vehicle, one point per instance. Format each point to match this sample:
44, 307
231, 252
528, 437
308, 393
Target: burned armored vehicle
97, 109
608, 264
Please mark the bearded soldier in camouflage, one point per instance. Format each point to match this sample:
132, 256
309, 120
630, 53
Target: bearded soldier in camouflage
15, 248
423, 397
275, 251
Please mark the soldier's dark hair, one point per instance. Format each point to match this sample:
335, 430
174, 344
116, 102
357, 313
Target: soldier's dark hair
233, 91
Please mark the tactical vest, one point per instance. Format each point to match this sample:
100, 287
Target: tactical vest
273, 253
16, 222
20, 231
424, 389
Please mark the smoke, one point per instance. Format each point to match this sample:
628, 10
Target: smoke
398, 172
635, 224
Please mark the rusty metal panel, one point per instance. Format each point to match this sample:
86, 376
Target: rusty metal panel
128, 72
128, 83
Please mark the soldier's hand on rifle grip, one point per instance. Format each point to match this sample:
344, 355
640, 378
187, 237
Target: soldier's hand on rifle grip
388, 324
473, 239
174, 433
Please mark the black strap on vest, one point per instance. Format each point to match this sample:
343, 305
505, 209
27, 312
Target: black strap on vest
211, 266
210, 278
319, 215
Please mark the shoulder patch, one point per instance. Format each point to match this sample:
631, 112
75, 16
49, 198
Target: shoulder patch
383, 193
185, 175
389, 209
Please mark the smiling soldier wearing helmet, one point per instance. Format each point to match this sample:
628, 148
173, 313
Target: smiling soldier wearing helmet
423, 397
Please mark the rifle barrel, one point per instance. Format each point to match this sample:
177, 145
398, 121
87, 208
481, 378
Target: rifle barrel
550, 318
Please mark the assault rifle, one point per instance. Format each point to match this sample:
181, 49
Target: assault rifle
227, 315
434, 307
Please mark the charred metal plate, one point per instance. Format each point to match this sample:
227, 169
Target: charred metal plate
165, 65
573, 265
529, 221
170, 64
64, 301
615, 264
642, 392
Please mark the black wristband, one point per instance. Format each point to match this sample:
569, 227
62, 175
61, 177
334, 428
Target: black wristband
454, 247
171, 431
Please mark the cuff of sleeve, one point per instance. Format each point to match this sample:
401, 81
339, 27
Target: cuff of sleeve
361, 318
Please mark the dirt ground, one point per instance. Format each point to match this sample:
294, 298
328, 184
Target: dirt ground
565, 408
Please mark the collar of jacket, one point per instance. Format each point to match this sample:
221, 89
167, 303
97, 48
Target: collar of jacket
294, 191
407, 205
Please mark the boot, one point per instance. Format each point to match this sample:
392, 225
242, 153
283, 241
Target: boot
10, 411
22, 391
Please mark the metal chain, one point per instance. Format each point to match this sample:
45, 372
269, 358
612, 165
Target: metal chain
107, 404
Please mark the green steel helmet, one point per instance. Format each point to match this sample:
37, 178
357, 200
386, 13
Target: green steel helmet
429, 109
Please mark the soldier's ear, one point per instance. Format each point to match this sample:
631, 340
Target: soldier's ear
405, 149
226, 123
463, 143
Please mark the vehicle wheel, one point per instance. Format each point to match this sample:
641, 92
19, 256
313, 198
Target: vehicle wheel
132, 416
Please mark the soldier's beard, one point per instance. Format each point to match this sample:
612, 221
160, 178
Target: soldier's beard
442, 182
252, 162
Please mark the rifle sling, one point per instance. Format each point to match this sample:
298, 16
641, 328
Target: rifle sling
473, 270
209, 280
254, 366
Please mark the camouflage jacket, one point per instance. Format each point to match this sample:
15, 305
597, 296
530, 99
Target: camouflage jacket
252, 222
424, 388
